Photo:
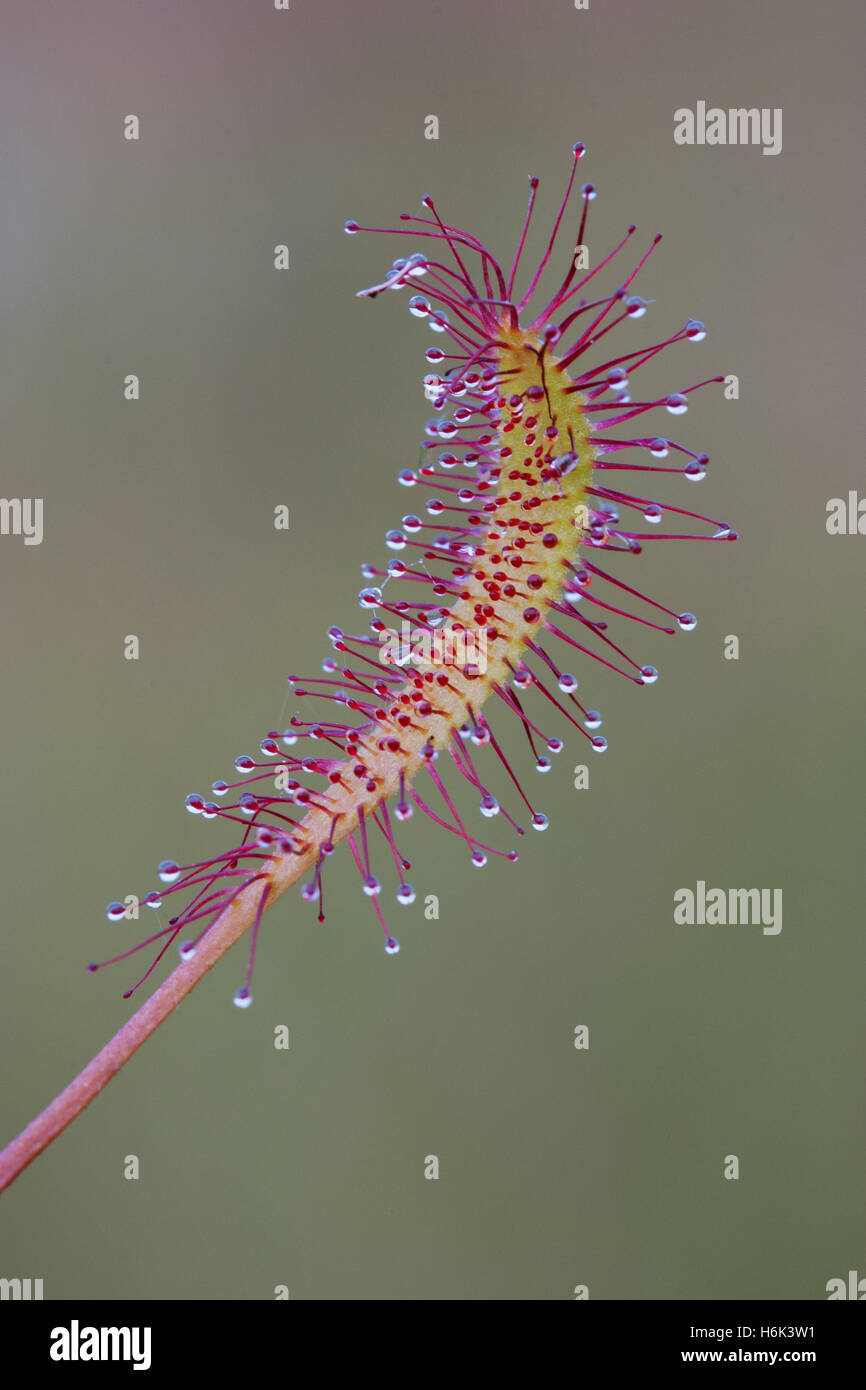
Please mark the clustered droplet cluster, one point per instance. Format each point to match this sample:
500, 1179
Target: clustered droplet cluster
512, 552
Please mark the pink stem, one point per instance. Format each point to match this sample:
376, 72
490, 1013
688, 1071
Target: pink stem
236, 919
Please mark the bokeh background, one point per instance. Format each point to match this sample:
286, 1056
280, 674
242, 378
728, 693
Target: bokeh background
306, 1168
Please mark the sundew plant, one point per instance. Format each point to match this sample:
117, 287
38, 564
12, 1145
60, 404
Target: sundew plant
519, 564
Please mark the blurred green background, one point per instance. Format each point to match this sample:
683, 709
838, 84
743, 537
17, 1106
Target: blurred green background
306, 1168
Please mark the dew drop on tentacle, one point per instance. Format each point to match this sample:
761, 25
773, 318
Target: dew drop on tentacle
405, 894
168, 871
392, 946
242, 997
687, 621
697, 469
115, 912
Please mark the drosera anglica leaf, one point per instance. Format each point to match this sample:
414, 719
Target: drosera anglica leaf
516, 564
534, 423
